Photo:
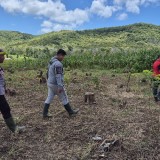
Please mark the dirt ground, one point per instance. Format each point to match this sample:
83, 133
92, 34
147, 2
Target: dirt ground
131, 117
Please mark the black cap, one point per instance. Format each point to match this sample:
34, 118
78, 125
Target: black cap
62, 52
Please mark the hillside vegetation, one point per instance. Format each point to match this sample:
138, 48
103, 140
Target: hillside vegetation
10, 37
132, 47
131, 36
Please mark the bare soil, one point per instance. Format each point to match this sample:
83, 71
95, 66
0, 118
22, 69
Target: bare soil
131, 117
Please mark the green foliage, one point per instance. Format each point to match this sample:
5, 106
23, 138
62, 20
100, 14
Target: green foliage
148, 74
136, 61
131, 48
134, 37
10, 37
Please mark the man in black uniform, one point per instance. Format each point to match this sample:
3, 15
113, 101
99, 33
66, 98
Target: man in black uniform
4, 107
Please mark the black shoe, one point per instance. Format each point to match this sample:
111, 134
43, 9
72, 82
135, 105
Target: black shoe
156, 99
45, 111
71, 112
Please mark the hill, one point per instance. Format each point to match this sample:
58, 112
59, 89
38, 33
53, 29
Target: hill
136, 35
139, 35
11, 37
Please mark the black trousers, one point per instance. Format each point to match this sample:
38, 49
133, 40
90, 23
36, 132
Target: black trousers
4, 107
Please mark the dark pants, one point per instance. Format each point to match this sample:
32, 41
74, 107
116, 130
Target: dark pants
4, 107
156, 93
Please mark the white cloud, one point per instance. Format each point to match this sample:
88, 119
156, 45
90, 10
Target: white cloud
76, 16
48, 26
100, 8
56, 17
119, 2
133, 6
35, 7
53, 11
130, 5
11, 5
122, 16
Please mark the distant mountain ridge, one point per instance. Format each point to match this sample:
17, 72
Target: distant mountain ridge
137, 35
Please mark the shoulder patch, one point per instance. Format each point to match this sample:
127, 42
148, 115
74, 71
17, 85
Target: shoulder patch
59, 70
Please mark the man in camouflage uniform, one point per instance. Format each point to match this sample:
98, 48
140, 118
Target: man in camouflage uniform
55, 85
4, 107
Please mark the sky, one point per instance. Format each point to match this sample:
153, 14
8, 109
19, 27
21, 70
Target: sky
43, 16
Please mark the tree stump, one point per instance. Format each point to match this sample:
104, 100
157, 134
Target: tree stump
89, 98
40, 74
10, 92
42, 79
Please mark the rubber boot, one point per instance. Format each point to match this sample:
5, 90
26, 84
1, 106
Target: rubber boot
70, 111
13, 127
156, 99
45, 111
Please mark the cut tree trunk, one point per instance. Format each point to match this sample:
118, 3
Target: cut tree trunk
42, 80
10, 92
89, 98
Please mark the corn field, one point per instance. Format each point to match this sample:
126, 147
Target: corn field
135, 61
